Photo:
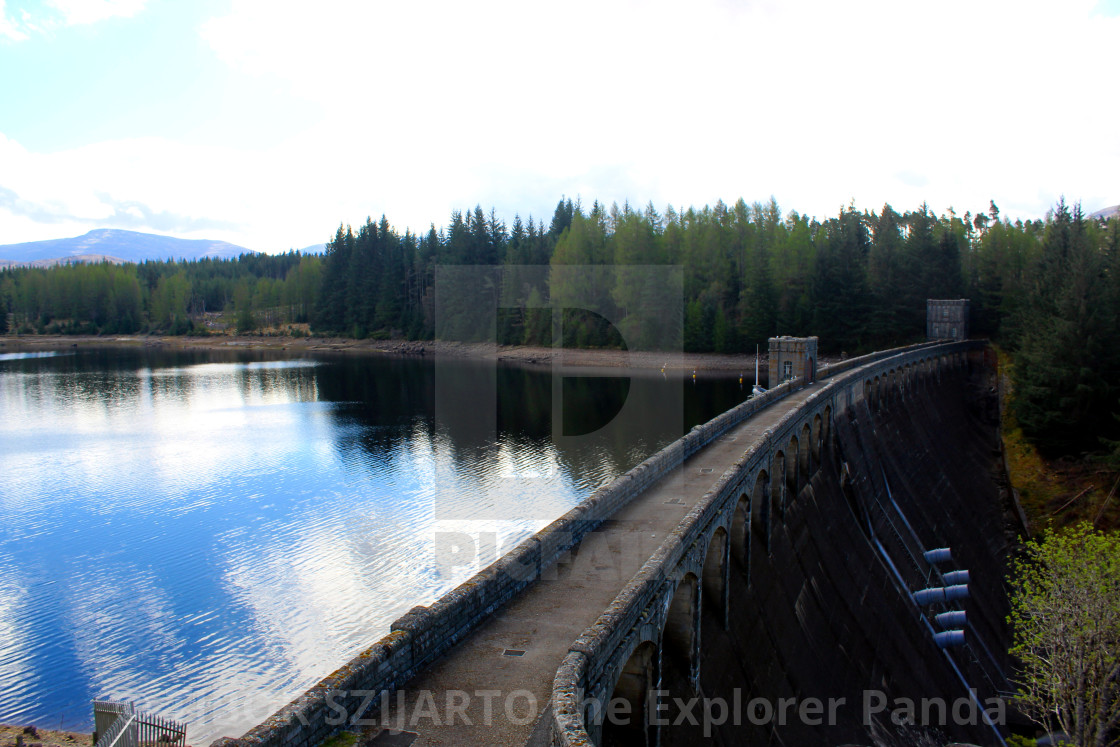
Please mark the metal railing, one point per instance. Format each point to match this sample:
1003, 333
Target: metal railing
119, 724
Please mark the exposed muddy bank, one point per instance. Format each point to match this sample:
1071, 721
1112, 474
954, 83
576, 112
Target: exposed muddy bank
686, 362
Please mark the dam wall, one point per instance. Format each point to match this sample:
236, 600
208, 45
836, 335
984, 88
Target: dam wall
824, 614
425, 633
791, 585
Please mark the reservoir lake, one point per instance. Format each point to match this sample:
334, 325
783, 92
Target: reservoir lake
208, 533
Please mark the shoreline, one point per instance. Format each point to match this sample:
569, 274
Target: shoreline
568, 357
41, 736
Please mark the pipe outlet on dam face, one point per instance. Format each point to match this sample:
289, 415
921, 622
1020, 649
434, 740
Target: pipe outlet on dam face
941, 594
955, 577
949, 638
938, 555
951, 619
835, 580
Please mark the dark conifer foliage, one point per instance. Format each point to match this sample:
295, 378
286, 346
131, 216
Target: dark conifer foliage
1067, 360
1048, 289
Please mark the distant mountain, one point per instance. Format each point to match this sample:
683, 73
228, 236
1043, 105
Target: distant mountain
115, 246
76, 259
1111, 212
313, 249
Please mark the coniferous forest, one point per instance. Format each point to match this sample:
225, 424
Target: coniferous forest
1047, 290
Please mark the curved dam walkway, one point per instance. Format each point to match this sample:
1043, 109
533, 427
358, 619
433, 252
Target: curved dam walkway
504, 696
771, 551
824, 615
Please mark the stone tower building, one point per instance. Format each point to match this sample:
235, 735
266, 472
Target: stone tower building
947, 319
792, 357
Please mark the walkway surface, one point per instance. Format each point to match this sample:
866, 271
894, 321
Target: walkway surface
502, 694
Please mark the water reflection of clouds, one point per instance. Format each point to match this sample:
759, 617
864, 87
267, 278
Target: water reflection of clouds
30, 355
181, 438
183, 432
16, 672
225, 369
352, 573
119, 612
271, 528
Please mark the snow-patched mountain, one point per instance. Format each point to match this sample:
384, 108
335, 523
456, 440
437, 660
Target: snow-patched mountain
1109, 212
115, 245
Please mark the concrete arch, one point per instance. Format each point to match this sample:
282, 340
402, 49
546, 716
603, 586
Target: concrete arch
681, 632
761, 505
628, 724
740, 539
816, 438
793, 461
826, 429
806, 450
714, 575
779, 486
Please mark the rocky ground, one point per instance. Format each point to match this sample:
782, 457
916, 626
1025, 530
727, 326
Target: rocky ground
10, 736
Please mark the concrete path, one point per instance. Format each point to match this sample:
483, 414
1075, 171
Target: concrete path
502, 693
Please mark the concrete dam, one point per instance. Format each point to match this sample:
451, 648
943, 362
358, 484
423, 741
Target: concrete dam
823, 564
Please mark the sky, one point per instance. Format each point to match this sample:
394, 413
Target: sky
269, 123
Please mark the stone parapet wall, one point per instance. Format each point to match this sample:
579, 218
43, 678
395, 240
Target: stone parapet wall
591, 655
425, 633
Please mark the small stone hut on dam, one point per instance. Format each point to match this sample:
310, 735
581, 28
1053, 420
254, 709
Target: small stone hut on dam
947, 319
793, 358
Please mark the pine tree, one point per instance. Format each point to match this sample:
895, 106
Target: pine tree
841, 300
331, 310
1065, 378
885, 275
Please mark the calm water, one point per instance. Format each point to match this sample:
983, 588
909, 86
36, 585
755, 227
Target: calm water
209, 533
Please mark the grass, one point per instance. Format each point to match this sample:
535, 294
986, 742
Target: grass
342, 739
1055, 492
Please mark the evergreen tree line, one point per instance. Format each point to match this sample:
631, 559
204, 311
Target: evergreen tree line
1046, 289
857, 281
160, 296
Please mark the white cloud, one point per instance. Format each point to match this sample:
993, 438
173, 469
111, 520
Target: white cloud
9, 29
815, 102
429, 107
79, 12
66, 13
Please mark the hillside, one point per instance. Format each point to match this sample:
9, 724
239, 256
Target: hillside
116, 246
1106, 213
